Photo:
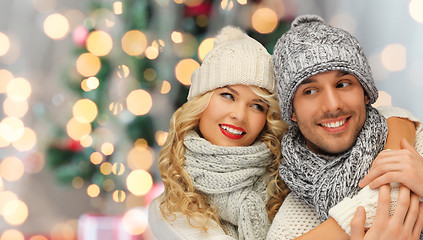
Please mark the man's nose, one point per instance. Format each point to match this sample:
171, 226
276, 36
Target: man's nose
331, 100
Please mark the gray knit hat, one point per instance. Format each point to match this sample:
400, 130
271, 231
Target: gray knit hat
235, 59
310, 47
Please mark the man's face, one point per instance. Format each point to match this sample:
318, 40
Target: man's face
330, 109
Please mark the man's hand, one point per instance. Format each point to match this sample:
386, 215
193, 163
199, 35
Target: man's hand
404, 166
406, 223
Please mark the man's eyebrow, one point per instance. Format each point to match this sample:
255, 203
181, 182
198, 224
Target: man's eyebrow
308, 80
342, 73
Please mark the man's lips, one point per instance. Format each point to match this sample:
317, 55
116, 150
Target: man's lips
231, 131
335, 125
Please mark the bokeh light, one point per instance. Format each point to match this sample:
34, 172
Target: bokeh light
15, 212
93, 190
264, 20
227, 4
5, 77
165, 87
117, 7
135, 221
106, 168
140, 157
88, 64
205, 47
99, 43
56, 26
161, 137
85, 110
151, 52
139, 102
134, 42
384, 99
4, 44
118, 169
12, 234
109, 185
64, 231
19, 89
415, 7
86, 141
77, 182
34, 162
394, 57
14, 108
96, 158
119, 196
122, 71
12, 169
11, 128
139, 182
27, 141
184, 70
107, 148
176, 37
76, 130
5, 198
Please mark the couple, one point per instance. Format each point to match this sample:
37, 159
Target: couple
223, 160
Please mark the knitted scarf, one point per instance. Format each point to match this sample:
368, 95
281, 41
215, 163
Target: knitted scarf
233, 178
322, 183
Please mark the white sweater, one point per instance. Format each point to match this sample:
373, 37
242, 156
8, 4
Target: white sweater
296, 218
293, 219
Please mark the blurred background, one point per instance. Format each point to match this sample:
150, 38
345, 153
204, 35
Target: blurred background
87, 89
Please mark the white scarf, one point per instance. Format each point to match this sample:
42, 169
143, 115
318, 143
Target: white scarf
233, 178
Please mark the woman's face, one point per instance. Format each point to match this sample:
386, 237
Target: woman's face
234, 116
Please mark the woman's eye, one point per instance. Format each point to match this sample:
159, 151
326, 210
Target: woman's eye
227, 95
342, 84
259, 107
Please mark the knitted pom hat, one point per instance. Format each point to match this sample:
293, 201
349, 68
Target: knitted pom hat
235, 59
311, 46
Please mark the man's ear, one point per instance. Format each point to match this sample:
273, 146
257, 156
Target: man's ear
366, 99
293, 117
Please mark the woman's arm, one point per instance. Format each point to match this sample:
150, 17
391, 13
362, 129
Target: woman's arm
405, 223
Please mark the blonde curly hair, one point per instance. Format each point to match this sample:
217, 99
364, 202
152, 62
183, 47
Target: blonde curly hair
180, 195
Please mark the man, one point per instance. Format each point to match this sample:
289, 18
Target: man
325, 88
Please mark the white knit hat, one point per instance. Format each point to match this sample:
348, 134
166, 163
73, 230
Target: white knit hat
235, 59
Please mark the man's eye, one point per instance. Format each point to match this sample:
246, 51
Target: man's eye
227, 95
342, 84
310, 91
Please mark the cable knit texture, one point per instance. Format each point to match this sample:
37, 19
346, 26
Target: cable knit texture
296, 217
323, 183
235, 59
233, 177
311, 46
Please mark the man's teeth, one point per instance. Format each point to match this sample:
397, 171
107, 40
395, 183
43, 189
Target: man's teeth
334, 124
231, 130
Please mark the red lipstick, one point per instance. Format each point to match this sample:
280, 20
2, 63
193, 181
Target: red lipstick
231, 135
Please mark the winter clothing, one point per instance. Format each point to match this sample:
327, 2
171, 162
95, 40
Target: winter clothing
310, 47
322, 183
235, 59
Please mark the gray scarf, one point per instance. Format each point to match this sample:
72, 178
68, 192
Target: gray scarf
233, 178
323, 183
